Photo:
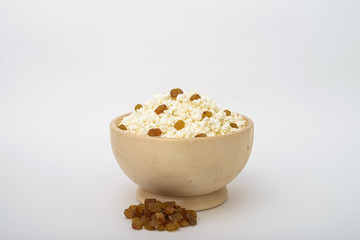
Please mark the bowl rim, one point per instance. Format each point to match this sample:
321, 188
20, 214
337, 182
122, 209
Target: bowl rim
114, 128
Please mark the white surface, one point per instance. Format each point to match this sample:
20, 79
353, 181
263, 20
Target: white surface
68, 67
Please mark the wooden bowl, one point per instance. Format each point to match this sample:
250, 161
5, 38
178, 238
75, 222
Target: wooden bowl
193, 172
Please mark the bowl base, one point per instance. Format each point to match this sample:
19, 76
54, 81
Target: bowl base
197, 203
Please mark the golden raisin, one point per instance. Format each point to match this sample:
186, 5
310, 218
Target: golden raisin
191, 219
201, 135
161, 228
160, 217
122, 127
228, 113
182, 211
167, 220
169, 210
206, 114
160, 109
129, 213
137, 224
154, 132
176, 217
155, 223
154, 207
183, 223
139, 210
172, 226
149, 200
138, 106
192, 212
172, 204
234, 125
132, 207
179, 125
145, 219
174, 92
147, 226
195, 97
146, 212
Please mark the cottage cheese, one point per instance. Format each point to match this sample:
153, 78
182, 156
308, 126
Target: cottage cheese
181, 108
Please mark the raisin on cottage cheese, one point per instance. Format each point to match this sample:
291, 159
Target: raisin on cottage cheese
182, 115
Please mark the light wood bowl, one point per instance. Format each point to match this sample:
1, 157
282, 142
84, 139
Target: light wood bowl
193, 172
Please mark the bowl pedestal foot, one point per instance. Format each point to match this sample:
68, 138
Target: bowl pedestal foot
197, 203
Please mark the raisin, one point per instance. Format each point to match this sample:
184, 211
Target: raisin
146, 212
145, 219
167, 220
122, 127
179, 125
154, 207
169, 210
182, 211
192, 212
176, 217
206, 114
154, 132
138, 106
132, 207
228, 113
155, 223
201, 135
191, 219
161, 228
139, 210
174, 92
195, 97
147, 226
129, 213
172, 226
172, 204
149, 200
160, 217
234, 125
183, 223
160, 109
137, 224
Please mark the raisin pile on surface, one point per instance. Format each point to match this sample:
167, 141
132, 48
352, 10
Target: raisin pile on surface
156, 215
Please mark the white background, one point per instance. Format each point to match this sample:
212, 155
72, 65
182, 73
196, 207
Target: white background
67, 68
